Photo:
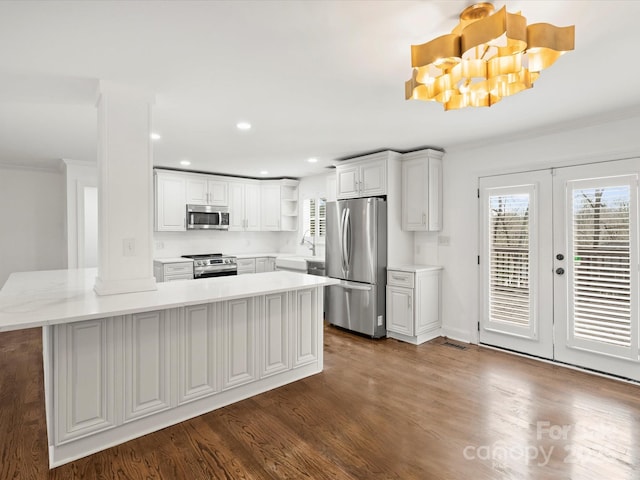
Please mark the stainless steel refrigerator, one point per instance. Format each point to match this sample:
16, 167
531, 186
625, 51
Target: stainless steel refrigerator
356, 254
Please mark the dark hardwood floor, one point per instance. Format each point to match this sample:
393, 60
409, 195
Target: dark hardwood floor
380, 410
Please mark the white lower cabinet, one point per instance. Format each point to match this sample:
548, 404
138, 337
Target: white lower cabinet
400, 310
147, 347
305, 328
274, 334
238, 342
113, 377
265, 264
84, 378
413, 303
198, 334
246, 265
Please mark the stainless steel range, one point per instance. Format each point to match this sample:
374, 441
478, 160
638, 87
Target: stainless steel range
213, 265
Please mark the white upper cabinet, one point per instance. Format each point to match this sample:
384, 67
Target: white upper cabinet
362, 177
244, 206
422, 191
170, 190
203, 190
270, 204
254, 205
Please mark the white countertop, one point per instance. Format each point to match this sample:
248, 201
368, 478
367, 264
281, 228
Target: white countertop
172, 260
415, 268
35, 299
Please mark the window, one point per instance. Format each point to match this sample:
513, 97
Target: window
315, 218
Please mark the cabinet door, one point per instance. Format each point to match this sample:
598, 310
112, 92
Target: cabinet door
246, 265
347, 181
415, 197
373, 178
170, 203
252, 206
197, 190
236, 206
83, 371
271, 265
261, 265
218, 191
435, 194
238, 342
274, 333
400, 310
305, 331
146, 364
270, 207
427, 302
197, 353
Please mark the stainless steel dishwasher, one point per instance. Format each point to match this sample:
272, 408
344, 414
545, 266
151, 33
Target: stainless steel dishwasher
316, 268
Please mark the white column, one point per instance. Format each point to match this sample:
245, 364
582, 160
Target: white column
125, 186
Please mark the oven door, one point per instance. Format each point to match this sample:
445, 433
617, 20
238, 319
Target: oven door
219, 273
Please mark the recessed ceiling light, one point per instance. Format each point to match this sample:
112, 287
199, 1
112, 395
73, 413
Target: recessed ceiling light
185, 162
155, 136
312, 160
264, 172
243, 126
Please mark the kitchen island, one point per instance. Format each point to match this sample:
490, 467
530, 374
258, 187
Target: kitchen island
118, 367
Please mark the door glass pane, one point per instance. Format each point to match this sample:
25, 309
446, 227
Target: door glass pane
601, 254
509, 259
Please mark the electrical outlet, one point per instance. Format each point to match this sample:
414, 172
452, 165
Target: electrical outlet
443, 240
129, 247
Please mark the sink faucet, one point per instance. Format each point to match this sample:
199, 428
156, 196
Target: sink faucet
312, 245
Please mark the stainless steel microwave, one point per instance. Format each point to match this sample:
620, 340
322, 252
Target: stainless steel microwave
207, 217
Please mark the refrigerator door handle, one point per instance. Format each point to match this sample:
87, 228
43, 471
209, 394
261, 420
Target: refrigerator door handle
346, 237
343, 242
354, 286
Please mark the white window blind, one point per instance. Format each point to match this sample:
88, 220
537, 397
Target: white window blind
601, 271
315, 217
509, 251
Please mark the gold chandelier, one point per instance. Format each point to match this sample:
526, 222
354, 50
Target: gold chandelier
486, 57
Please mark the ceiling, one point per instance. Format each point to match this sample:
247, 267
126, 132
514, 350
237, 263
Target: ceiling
322, 79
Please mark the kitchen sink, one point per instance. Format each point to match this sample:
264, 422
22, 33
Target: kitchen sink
294, 263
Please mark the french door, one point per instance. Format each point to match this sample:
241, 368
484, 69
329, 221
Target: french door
559, 265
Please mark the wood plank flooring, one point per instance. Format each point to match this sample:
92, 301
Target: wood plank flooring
380, 410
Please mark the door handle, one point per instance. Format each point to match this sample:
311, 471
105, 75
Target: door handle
347, 236
560, 271
342, 243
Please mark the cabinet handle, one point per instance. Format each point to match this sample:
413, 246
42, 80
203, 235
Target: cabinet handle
396, 277
409, 300
424, 218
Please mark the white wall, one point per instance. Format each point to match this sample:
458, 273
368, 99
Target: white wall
613, 140
175, 244
80, 175
32, 215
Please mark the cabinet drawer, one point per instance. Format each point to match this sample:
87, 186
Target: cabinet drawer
178, 268
173, 278
400, 279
